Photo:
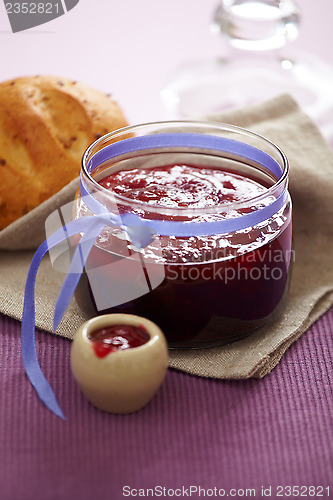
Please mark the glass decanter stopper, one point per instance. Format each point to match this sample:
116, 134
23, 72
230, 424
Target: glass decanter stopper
256, 66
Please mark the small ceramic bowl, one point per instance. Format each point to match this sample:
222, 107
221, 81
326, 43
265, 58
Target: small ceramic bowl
125, 380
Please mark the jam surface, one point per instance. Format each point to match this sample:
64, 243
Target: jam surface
176, 186
116, 338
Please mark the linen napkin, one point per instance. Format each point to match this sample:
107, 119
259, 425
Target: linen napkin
311, 292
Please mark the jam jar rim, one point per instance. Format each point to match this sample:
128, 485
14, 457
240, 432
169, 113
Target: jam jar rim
181, 211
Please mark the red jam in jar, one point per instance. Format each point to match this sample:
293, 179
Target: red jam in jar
185, 186
116, 338
218, 287
219, 297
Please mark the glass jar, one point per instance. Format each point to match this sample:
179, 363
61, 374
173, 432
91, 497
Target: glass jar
206, 257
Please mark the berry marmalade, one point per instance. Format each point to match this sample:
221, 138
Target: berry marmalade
202, 290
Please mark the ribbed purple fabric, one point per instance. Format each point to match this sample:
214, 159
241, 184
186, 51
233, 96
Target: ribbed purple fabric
195, 432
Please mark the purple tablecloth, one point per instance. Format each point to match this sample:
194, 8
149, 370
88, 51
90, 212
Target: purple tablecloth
224, 437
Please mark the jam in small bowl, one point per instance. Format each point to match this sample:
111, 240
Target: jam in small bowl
119, 361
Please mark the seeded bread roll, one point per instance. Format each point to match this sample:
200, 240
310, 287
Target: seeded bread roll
46, 123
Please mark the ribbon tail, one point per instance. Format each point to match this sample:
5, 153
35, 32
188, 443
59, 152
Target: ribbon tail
28, 346
90, 226
76, 268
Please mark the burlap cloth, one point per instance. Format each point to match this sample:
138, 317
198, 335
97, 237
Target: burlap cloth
311, 293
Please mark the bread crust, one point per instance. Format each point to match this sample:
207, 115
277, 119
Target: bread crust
46, 123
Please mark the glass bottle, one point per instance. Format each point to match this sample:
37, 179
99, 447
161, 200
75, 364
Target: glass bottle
258, 65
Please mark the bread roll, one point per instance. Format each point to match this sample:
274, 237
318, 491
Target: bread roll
46, 123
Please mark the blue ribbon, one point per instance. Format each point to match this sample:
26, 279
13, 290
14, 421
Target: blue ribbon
91, 227
140, 231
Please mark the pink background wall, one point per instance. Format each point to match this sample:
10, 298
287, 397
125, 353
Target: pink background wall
130, 47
